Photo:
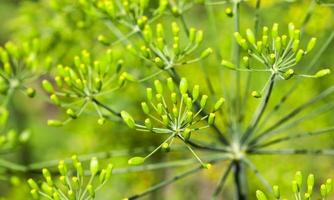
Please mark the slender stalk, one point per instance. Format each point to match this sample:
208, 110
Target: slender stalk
260, 110
326, 152
239, 180
221, 183
117, 114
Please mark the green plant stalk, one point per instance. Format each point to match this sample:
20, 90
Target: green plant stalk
221, 183
240, 180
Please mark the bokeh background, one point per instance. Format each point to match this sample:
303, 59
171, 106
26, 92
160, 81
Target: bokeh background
65, 32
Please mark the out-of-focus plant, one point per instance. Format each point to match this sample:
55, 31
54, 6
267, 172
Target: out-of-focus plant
302, 189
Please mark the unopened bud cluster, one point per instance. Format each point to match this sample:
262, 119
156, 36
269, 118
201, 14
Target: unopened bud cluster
174, 111
301, 190
165, 52
19, 65
71, 183
277, 53
84, 83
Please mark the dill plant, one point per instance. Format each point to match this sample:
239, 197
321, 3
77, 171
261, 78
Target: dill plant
174, 109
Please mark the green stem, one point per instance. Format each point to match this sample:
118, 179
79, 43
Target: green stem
239, 180
221, 183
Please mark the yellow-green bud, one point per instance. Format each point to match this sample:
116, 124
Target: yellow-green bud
149, 94
145, 108
47, 86
311, 44
250, 36
288, 74
183, 86
203, 101
218, 104
136, 161
94, 166
54, 123
274, 30
228, 64
170, 84
128, 119
148, 124
211, 119
299, 55
256, 94
158, 86
206, 53
260, 195
229, 12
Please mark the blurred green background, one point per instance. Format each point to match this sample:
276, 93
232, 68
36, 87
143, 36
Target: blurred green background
65, 32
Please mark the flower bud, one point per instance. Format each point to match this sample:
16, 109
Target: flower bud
159, 62
195, 92
149, 94
203, 101
91, 190
101, 121
229, 12
329, 185
158, 86
183, 86
47, 86
322, 73
165, 120
288, 74
228, 64
310, 183
323, 190
238, 37
291, 30
170, 84
147, 33
218, 104
206, 53
311, 44
186, 134
260, 195
62, 168
265, 40
71, 113
94, 166
54, 123
175, 29
136, 161
299, 55
31, 92
211, 119
245, 62
265, 30
274, 31
128, 119
244, 44
175, 111
34, 194
284, 40
32, 184
276, 192
199, 37
295, 45
250, 36
278, 44
299, 179
148, 124
295, 188
145, 108
207, 166
256, 94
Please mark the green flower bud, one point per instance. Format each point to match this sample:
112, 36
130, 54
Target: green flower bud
307, 196
46, 189
295, 187
291, 30
259, 46
260, 195
299, 178
170, 84
175, 111
158, 97
228, 64
55, 196
32, 184
238, 37
203, 101
310, 183
54, 99
54, 123
62, 168
160, 108
211, 119
218, 104
147, 33
145, 108
295, 45
195, 92
206, 53
256, 94
199, 37
148, 124
136, 161
183, 86
186, 134
109, 169
71, 113
323, 190
128, 119
79, 168
296, 34
158, 86
34, 194
288, 74
175, 29
229, 12
159, 62
311, 44
160, 30
71, 195
250, 36
299, 55
207, 166
245, 62
284, 40
244, 44
322, 73
274, 31
272, 58
149, 94
160, 45
46, 173
276, 192
165, 147
94, 166
190, 116
101, 121
31, 92
75, 182
189, 103
192, 35
47, 86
